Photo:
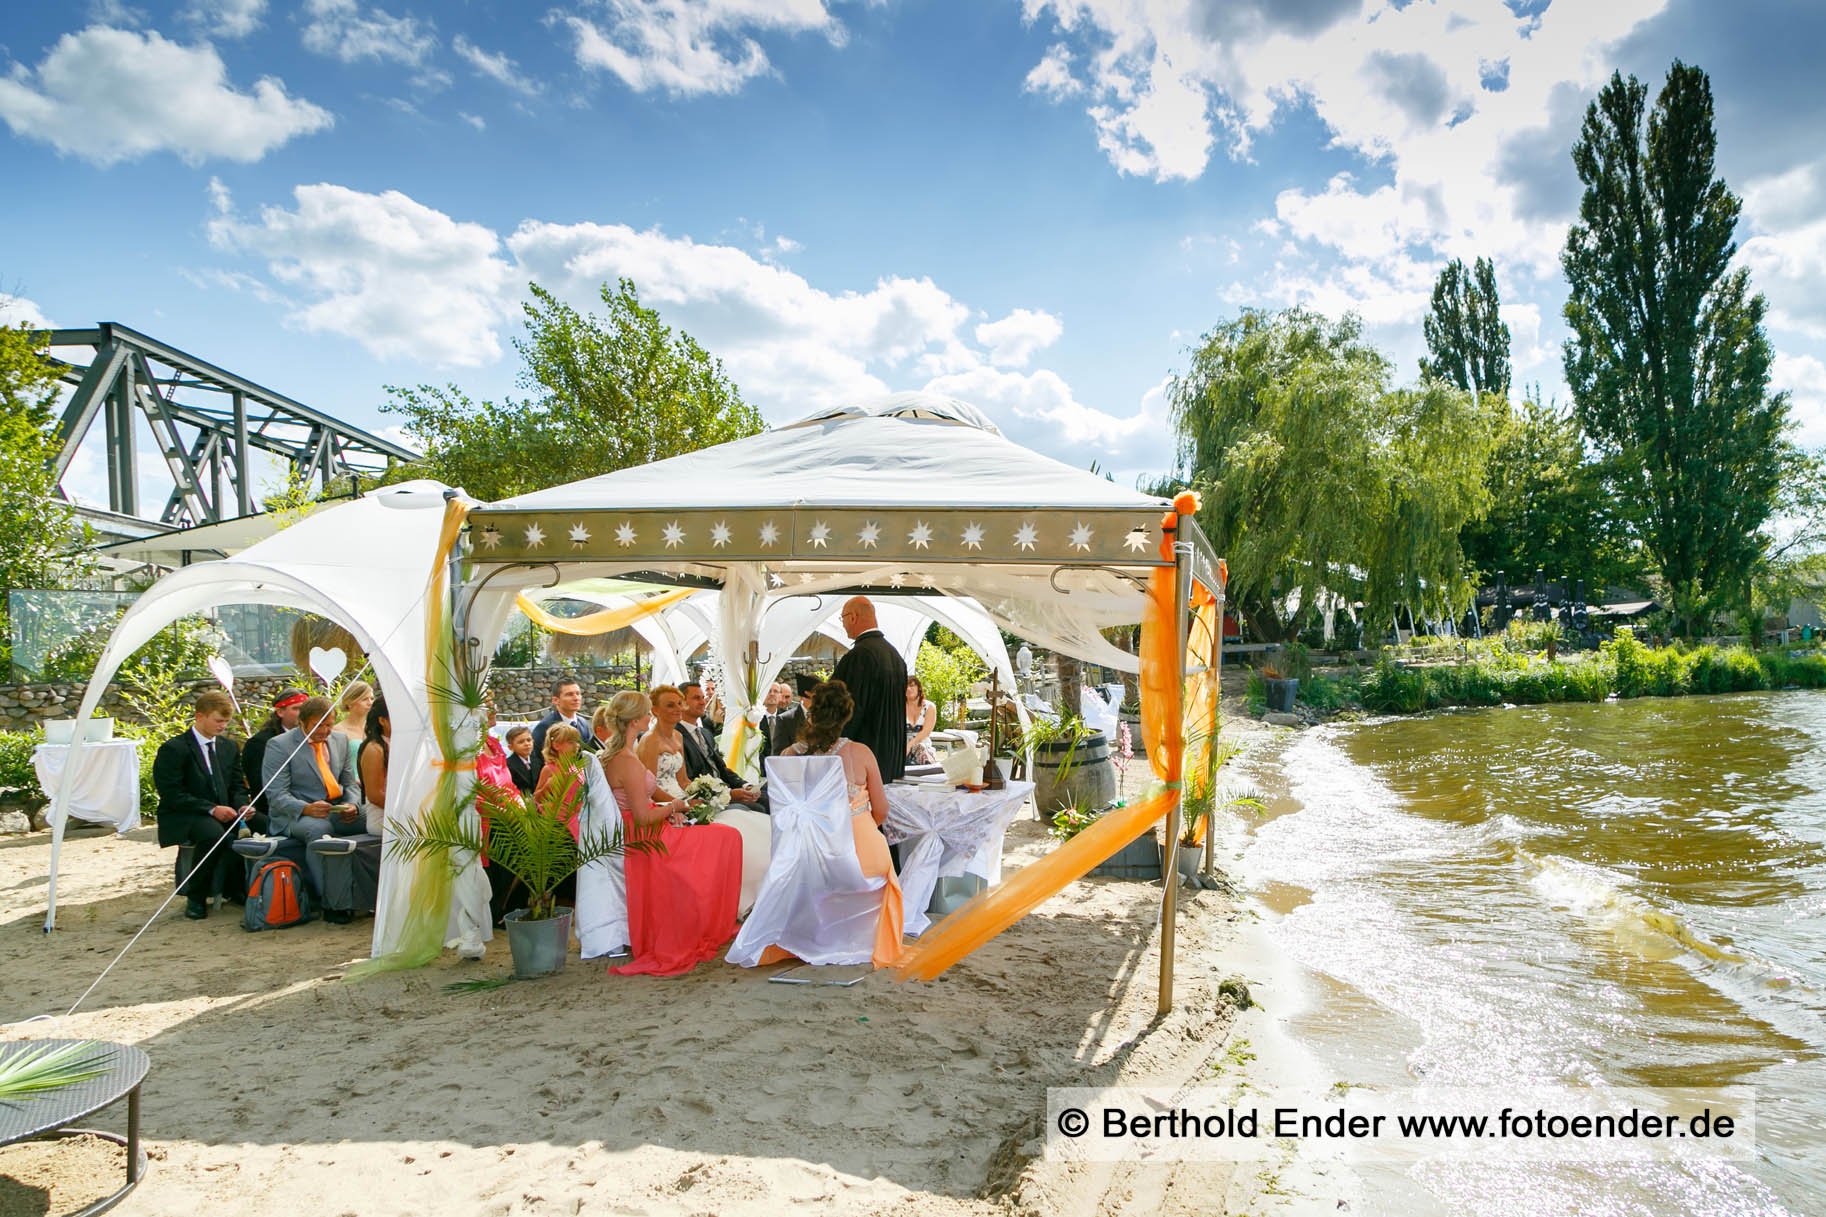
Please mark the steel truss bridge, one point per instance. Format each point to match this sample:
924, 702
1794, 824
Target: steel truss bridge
207, 437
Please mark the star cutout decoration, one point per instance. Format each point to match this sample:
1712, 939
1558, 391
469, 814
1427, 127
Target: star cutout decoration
1026, 535
579, 534
624, 534
926, 581
673, 534
770, 532
921, 536
973, 535
491, 537
1081, 536
775, 579
719, 533
806, 576
535, 536
820, 534
1137, 540
871, 533
897, 580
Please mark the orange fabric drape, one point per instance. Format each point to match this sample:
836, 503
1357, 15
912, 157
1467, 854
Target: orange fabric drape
605, 621
1201, 697
993, 911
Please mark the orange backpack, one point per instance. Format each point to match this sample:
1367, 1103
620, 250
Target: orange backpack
277, 897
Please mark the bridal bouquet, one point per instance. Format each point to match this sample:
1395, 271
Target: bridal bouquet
707, 796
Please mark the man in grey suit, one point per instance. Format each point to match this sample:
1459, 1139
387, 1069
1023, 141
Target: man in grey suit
309, 772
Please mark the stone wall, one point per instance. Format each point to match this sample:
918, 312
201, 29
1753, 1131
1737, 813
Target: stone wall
25, 706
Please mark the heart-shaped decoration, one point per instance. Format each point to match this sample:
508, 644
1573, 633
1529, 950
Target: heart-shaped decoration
225, 675
328, 664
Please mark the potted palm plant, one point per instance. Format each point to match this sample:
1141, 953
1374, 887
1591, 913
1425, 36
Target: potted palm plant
532, 839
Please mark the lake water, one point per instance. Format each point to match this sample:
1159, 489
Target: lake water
1631, 893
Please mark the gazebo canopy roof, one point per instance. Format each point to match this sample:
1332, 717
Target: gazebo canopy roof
914, 479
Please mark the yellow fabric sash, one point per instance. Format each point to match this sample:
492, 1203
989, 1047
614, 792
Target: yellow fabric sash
605, 621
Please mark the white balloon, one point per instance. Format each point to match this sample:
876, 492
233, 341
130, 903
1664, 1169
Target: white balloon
328, 664
225, 675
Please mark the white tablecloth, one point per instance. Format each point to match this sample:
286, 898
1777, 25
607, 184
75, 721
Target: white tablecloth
945, 831
107, 789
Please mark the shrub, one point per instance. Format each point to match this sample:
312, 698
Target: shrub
946, 674
1391, 689
16, 772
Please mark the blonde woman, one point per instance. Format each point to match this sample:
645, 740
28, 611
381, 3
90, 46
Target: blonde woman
681, 902
599, 728
353, 705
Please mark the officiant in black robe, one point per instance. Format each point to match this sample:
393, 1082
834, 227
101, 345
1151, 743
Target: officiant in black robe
876, 677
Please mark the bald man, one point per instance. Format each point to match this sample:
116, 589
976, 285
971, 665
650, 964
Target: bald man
876, 677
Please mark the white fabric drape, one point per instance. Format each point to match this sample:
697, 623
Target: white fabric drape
945, 831
815, 902
601, 917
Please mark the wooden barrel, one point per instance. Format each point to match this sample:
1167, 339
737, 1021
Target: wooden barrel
1090, 777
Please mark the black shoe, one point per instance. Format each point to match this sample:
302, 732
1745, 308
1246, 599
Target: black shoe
195, 909
338, 916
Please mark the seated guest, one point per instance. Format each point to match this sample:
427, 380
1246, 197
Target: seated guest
561, 741
567, 707
599, 727
830, 711
667, 751
784, 728
681, 903
202, 796
922, 716
702, 754
520, 764
353, 705
283, 718
371, 764
310, 776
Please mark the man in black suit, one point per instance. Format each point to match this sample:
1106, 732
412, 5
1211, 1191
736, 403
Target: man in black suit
782, 728
202, 796
284, 718
876, 677
567, 707
702, 755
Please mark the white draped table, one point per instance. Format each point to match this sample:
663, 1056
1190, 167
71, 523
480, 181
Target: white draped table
943, 831
107, 789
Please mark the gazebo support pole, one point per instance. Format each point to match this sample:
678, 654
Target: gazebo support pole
1217, 714
1169, 902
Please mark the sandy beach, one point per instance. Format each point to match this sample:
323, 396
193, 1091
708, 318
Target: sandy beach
278, 1085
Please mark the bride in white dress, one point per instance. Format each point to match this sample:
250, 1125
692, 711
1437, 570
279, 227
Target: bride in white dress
663, 751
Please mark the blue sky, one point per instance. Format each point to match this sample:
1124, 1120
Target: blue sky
1034, 205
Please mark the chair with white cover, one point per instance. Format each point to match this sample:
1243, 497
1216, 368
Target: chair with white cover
815, 904
601, 916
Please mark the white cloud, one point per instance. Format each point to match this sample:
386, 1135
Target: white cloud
18, 311
225, 18
494, 65
344, 30
111, 95
1787, 256
1804, 377
687, 47
474, 120
403, 280
1013, 340
1039, 410
1052, 76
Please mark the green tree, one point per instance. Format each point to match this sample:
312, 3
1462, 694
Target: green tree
1668, 362
1318, 477
1551, 508
1467, 342
608, 393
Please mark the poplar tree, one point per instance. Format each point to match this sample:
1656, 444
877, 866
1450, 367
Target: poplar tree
1467, 342
1668, 362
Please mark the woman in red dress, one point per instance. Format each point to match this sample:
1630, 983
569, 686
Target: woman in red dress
682, 903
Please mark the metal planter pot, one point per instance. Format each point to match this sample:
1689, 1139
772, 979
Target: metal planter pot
538, 947
1191, 858
1280, 694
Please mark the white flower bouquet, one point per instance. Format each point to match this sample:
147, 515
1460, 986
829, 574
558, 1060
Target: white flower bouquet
707, 796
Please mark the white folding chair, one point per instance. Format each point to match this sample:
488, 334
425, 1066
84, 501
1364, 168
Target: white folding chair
815, 901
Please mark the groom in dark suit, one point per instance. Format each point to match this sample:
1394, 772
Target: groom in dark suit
876, 677
201, 797
702, 755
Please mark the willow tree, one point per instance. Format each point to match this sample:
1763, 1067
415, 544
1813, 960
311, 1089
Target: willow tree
1467, 342
1318, 478
1668, 362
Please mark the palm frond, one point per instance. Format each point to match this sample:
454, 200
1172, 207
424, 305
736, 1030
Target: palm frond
479, 986
38, 1069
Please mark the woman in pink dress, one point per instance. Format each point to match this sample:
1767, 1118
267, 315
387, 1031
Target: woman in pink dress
682, 903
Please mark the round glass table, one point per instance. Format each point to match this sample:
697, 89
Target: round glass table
52, 1116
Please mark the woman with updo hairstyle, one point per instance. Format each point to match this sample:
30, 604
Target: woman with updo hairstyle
683, 879
822, 735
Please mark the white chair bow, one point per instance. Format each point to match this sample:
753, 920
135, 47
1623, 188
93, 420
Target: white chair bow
601, 919
815, 901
